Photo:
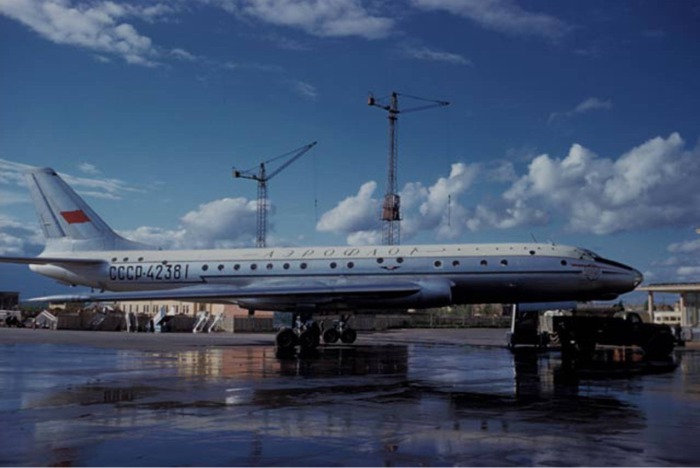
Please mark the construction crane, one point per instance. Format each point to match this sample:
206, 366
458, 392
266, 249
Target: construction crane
262, 177
391, 206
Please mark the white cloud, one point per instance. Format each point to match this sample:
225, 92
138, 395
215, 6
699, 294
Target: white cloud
365, 238
328, 18
221, 223
685, 247
504, 16
505, 216
106, 188
182, 54
646, 187
592, 103
96, 26
224, 223
356, 213
503, 172
12, 174
305, 89
585, 106
432, 55
10, 198
158, 237
17, 238
693, 271
424, 208
89, 169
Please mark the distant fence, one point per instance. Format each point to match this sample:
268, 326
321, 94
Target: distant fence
368, 322
115, 321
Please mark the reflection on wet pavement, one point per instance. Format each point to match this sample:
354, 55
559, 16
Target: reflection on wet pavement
391, 405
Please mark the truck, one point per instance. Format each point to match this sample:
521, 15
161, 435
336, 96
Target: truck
579, 335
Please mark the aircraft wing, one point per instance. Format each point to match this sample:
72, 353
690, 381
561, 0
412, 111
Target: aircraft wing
277, 291
51, 260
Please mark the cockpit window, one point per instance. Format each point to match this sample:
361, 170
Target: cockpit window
588, 255
613, 263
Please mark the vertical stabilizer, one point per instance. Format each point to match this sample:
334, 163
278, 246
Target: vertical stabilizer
69, 224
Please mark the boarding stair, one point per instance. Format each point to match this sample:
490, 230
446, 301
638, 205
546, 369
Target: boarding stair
201, 322
162, 318
214, 321
47, 320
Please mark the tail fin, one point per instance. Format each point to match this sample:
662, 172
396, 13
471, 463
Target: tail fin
69, 224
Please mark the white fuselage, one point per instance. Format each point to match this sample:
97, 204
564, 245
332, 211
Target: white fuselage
474, 273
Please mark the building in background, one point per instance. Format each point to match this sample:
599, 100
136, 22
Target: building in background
686, 310
8, 300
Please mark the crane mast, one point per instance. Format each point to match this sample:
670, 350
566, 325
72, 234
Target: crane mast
391, 205
262, 178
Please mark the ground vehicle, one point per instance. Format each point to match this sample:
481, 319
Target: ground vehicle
579, 335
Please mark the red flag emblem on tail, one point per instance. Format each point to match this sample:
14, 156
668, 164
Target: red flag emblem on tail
75, 217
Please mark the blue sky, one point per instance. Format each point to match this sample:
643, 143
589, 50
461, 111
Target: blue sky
570, 122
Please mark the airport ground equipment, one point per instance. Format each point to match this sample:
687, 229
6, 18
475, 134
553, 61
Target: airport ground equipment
577, 329
579, 335
12, 318
391, 205
262, 177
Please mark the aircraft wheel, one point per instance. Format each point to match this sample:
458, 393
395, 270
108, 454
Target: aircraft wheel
348, 336
659, 346
286, 339
331, 336
309, 339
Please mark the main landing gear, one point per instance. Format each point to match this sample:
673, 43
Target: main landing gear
307, 334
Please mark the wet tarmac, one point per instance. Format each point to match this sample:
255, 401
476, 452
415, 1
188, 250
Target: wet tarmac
418, 398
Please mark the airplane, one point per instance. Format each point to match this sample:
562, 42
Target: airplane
81, 249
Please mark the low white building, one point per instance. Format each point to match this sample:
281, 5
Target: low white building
686, 311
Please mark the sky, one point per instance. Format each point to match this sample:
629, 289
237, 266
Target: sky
569, 122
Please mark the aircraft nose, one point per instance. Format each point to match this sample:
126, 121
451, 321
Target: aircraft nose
638, 277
